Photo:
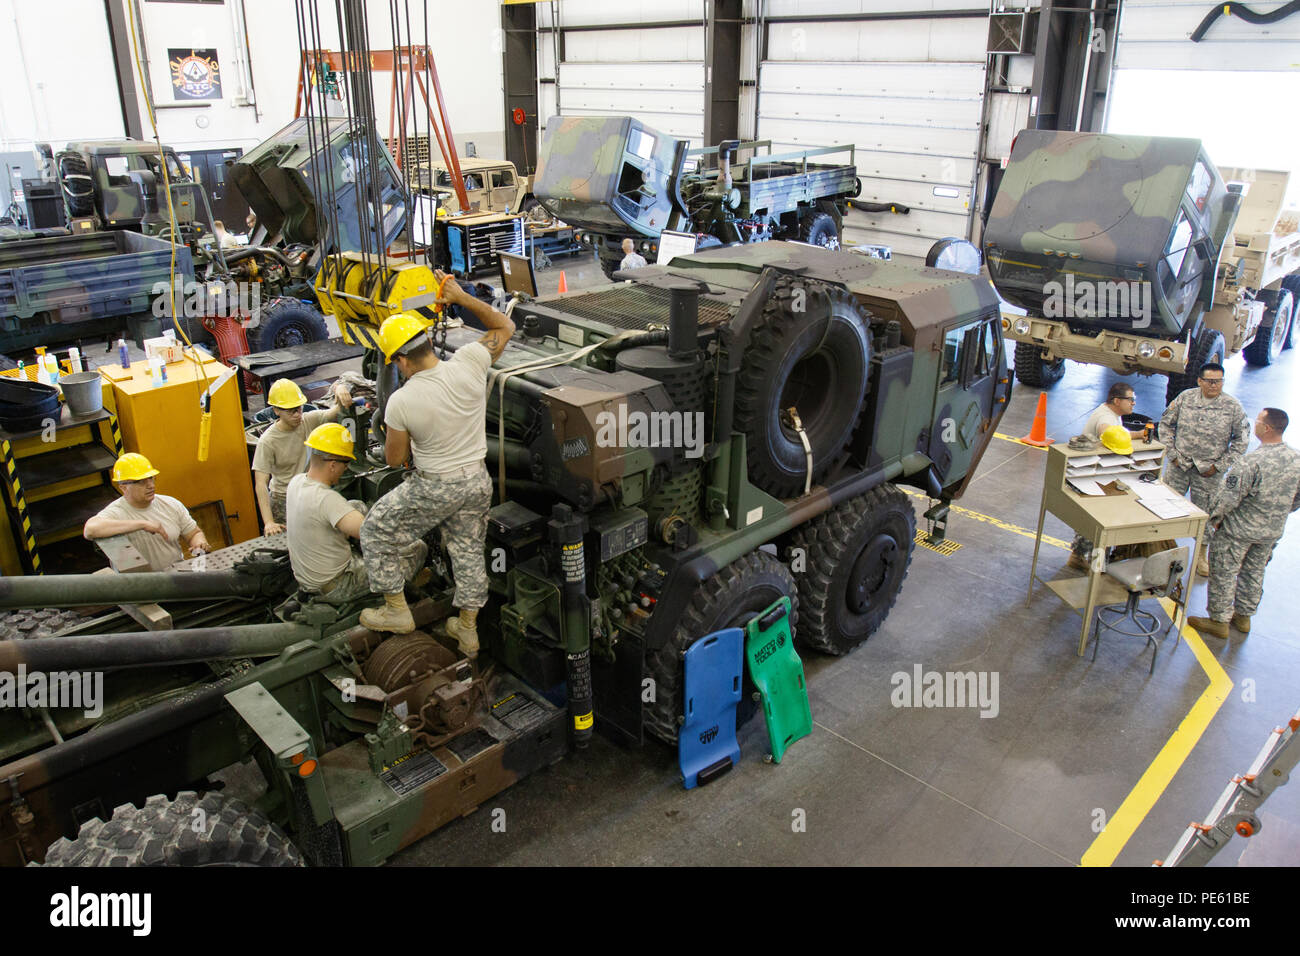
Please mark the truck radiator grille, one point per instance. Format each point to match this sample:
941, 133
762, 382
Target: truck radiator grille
634, 307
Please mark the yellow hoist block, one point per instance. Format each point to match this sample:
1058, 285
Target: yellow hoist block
362, 291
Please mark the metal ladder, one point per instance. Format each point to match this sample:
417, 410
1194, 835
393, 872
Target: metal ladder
1234, 811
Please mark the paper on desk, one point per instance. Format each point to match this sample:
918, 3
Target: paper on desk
1085, 486
1108, 461
1141, 454
1156, 491
1167, 508
1073, 472
1083, 460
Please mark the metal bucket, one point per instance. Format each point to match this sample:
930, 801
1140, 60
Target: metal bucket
83, 392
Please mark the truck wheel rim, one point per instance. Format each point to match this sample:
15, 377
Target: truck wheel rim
872, 573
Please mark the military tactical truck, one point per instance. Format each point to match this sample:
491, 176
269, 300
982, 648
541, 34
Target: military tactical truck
671, 457
492, 185
1132, 252
118, 184
616, 178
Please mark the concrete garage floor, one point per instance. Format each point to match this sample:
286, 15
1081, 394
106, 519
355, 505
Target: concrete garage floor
875, 784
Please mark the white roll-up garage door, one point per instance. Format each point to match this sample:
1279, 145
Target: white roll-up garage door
907, 93
655, 74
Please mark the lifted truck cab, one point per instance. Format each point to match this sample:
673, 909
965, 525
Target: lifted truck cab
1123, 252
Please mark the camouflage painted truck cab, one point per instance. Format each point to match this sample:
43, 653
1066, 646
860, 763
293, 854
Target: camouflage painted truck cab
120, 183
766, 393
615, 178
1116, 246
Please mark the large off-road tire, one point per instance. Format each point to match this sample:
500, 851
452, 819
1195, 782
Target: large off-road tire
1292, 285
188, 831
77, 186
1273, 332
855, 558
1208, 346
819, 229
730, 598
817, 360
1034, 370
286, 323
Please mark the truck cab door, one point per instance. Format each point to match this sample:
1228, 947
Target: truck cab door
1181, 269
973, 381
504, 189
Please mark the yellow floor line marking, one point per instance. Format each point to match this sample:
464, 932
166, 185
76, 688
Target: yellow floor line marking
1009, 438
1125, 821
1161, 771
996, 522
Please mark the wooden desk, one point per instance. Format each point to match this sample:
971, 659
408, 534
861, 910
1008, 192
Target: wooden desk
1108, 521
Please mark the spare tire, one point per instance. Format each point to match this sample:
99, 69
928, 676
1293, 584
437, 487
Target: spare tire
811, 349
288, 322
77, 185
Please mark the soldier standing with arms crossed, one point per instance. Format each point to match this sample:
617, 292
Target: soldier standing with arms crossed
1250, 512
437, 418
1206, 431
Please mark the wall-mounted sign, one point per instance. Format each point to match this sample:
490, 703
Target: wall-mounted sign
195, 74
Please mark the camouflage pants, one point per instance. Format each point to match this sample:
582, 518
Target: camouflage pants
1237, 576
1203, 489
277, 507
353, 583
458, 504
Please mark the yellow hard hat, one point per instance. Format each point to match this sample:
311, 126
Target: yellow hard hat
285, 394
133, 467
397, 331
1118, 440
331, 439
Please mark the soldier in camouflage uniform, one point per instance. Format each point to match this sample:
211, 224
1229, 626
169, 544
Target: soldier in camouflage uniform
1206, 431
1250, 511
437, 418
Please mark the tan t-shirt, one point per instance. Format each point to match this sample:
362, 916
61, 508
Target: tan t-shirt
283, 454
169, 513
1101, 418
444, 409
318, 551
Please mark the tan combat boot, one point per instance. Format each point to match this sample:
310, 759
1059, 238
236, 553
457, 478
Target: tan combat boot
1241, 622
1209, 626
394, 616
464, 630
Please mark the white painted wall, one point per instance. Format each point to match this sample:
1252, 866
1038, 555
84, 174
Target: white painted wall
69, 89
56, 84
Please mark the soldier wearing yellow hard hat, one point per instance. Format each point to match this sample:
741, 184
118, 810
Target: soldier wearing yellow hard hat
1106, 425
322, 523
436, 420
281, 451
155, 524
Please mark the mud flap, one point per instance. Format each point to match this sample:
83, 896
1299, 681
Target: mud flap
706, 741
777, 672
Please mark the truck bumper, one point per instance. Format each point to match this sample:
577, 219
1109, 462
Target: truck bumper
1118, 351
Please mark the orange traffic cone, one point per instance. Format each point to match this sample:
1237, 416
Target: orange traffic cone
1038, 434
564, 285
